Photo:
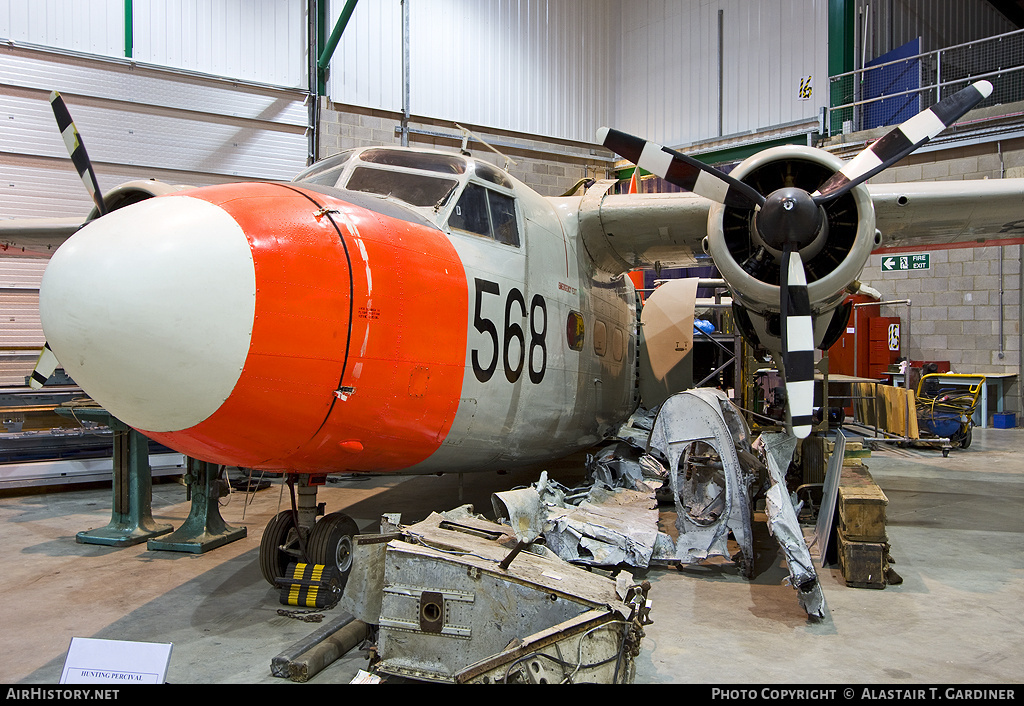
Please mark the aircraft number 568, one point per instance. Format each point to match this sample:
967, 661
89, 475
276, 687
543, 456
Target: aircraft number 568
514, 348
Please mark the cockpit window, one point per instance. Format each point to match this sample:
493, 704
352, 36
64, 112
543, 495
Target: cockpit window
414, 189
503, 218
470, 212
446, 164
326, 171
486, 212
492, 174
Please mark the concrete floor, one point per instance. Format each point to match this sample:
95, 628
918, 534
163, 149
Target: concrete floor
955, 526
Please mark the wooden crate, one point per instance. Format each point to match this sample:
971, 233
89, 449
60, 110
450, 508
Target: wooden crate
864, 564
861, 506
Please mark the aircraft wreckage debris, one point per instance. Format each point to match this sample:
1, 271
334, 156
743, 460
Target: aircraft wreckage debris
699, 449
458, 598
447, 611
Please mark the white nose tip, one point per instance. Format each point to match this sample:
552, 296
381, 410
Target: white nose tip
150, 310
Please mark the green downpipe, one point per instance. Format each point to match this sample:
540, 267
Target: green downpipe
129, 38
332, 43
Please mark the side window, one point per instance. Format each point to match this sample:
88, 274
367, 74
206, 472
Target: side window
503, 218
487, 213
471, 211
600, 338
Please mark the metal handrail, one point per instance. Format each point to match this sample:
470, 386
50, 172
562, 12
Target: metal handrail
933, 60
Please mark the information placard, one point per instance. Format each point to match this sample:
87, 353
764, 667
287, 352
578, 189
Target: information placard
94, 661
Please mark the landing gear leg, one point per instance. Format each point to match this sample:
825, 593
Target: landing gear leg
286, 536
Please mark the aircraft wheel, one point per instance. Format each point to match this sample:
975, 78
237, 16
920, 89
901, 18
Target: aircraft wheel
330, 543
279, 546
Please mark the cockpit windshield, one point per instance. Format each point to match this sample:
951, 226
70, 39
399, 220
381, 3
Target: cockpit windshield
427, 161
325, 172
420, 179
415, 189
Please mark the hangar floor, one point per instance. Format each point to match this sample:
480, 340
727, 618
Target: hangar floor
955, 526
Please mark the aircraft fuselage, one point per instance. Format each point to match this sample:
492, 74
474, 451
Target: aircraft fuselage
307, 328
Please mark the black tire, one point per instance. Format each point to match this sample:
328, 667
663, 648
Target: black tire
966, 441
279, 546
330, 543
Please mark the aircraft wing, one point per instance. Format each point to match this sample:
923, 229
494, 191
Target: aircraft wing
922, 214
628, 231
35, 237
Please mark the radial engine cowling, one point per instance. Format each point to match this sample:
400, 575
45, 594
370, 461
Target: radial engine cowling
832, 261
134, 191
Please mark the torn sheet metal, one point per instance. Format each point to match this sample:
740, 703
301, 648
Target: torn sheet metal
524, 511
446, 604
710, 470
784, 525
599, 525
623, 465
701, 436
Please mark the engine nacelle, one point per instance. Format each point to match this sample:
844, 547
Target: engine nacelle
832, 262
132, 192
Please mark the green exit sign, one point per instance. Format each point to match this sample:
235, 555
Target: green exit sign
898, 263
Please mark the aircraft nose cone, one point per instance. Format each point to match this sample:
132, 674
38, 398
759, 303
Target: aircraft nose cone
132, 301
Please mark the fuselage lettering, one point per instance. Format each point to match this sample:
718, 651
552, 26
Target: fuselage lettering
515, 350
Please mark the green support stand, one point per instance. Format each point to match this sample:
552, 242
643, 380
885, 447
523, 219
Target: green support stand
131, 520
204, 529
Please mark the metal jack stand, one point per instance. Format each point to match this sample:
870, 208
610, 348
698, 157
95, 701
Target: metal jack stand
204, 529
132, 516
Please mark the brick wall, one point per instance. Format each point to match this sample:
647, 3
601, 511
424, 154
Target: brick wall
955, 307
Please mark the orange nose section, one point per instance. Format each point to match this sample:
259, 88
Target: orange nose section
353, 362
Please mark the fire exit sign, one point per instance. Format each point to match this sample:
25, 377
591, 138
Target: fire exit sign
897, 263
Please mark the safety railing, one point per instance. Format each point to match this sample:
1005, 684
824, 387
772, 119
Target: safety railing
889, 92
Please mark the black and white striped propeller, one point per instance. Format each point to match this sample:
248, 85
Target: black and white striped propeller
47, 362
76, 150
789, 219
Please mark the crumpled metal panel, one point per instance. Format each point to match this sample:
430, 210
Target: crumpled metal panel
599, 525
785, 526
720, 497
611, 527
625, 465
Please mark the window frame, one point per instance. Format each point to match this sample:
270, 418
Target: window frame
489, 188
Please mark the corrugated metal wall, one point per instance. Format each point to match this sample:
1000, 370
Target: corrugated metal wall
137, 123
254, 40
541, 67
563, 69
21, 336
893, 23
88, 26
670, 66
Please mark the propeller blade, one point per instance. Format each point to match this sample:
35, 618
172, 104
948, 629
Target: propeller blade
676, 168
76, 149
45, 366
902, 140
797, 341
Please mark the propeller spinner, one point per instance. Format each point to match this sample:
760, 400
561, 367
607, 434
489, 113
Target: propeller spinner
790, 219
